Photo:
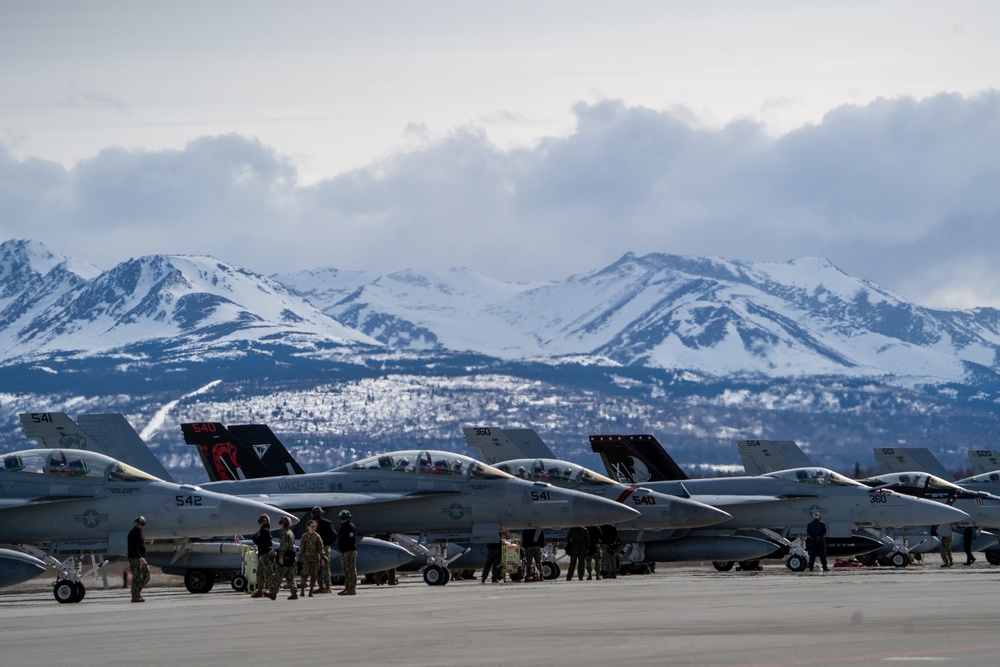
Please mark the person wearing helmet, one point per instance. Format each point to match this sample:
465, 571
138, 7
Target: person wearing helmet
348, 548
137, 558
324, 528
265, 559
286, 557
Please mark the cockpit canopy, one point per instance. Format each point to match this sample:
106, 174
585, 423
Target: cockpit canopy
983, 478
72, 463
817, 476
554, 472
427, 462
919, 480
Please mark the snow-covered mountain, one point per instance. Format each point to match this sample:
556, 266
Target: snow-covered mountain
50, 304
803, 317
717, 317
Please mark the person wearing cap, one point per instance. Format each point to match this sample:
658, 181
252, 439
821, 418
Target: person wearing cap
265, 563
286, 557
310, 553
324, 528
816, 530
347, 545
137, 558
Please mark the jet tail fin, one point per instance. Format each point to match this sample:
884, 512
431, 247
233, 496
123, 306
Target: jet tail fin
764, 456
120, 441
910, 459
495, 445
984, 460
269, 449
224, 456
55, 430
635, 459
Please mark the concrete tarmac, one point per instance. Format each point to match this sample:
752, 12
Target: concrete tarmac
689, 615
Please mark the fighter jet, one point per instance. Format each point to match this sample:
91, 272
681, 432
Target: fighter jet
898, 466
442, 495
76, 501
646, 539
781, 501
202, 563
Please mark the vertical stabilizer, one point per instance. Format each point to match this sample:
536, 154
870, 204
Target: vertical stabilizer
271, 452
224, 456
119, 440
495, 445
635, 459
910, 459
984, 460
764, 456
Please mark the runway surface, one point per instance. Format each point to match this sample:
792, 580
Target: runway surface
678, 616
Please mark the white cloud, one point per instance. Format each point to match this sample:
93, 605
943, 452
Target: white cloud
901, 191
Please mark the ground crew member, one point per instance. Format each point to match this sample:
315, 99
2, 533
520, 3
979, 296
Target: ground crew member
347, 545
595, 552
324, 528
816, 530
968, 537
265, 554
577, 543
947, 536
494, 559
286, 557
137, 559
310, 552
611, 545
533, 542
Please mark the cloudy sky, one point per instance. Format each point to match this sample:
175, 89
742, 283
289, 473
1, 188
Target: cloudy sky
527, 140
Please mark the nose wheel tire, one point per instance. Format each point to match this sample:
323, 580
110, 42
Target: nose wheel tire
795, 563
67, 591
435, 575
899, 559
723, 565
199, 581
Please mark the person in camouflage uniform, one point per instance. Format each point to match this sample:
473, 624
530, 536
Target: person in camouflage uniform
324, 528
286, 557
137, 559
310, 552
265, 564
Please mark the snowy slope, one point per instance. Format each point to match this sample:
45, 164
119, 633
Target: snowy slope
804, 317
184, 299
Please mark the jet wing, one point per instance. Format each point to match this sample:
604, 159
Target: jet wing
303, 501
13, 503
723, 501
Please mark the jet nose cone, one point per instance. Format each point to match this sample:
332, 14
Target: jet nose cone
239, 515
686, 513
594, 511
932, 513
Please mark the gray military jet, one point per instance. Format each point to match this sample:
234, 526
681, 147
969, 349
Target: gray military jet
203, 562
644, 543
75, 501
441, 495
781, 501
